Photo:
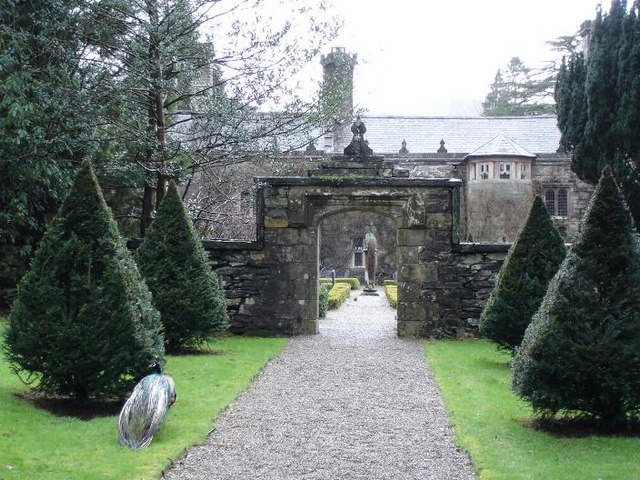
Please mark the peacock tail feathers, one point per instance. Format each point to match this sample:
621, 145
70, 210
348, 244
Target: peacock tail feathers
144, 411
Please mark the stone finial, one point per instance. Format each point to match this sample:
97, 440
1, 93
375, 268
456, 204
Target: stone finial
311, 149
442, 149
358, 146
403, 150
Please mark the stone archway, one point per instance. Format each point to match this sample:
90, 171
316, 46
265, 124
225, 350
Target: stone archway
342, 243
425, 214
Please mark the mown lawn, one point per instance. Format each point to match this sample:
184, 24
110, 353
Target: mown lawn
489, 423
35, 444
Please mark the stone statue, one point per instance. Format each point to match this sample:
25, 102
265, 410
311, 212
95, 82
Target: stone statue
370, 255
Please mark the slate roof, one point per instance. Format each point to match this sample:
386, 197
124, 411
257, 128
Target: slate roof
535, 134
501, 146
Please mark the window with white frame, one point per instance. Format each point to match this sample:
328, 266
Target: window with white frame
505, 171
557, 201
523, 171
328, 142
484, 171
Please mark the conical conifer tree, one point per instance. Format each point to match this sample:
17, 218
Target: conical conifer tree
83, 324
522, 281
580, 355
185, 289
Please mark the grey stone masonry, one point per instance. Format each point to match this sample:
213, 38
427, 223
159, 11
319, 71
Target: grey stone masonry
272, 284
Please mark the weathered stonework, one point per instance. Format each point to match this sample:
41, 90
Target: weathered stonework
272, 284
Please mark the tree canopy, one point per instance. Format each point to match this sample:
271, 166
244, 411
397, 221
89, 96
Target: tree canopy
518, 90
43, 128
151, 90
598, 102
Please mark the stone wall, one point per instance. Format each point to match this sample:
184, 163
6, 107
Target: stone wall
452, 289
272, 284
554, 171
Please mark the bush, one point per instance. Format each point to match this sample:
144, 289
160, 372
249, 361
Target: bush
323, 300
83, 324
391, 291
338, 294
522, 281
352, 281
580, 353
185, 289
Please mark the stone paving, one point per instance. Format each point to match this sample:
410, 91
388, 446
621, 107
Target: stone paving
354, 402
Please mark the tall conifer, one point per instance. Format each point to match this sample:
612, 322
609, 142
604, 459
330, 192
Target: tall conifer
580, 353
83, 324
185, 289
522, 281
599, 102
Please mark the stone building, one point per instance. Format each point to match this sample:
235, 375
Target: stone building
503, 163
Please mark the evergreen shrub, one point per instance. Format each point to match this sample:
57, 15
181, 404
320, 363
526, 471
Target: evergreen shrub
185, 289
323, 300
83, 324
581, 353
533, 259
338, 295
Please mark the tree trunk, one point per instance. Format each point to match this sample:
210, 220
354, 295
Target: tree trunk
148, 203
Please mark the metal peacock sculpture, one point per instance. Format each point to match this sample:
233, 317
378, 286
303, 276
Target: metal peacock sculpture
144, 411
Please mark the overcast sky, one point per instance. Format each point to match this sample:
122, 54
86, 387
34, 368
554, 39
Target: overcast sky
439, 57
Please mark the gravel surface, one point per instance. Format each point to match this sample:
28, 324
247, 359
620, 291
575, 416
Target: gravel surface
354, 402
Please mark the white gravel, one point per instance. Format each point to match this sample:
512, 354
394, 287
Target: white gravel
354, 402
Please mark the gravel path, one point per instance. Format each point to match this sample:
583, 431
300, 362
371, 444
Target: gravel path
354, 402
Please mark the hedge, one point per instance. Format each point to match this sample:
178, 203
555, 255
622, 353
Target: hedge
391, 291
354, 282
323, 300
338, 294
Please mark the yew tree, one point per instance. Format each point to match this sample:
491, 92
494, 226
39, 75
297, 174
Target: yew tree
580, 355
522, 281
185, 289
83, 324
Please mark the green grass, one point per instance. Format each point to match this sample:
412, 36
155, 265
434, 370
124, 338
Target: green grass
36, 444
489, 421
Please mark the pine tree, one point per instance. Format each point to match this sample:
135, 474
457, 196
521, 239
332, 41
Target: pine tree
185, 289
522, 281
579, 355
83, 324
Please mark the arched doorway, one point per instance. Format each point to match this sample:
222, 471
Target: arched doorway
341, 244
423, 210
